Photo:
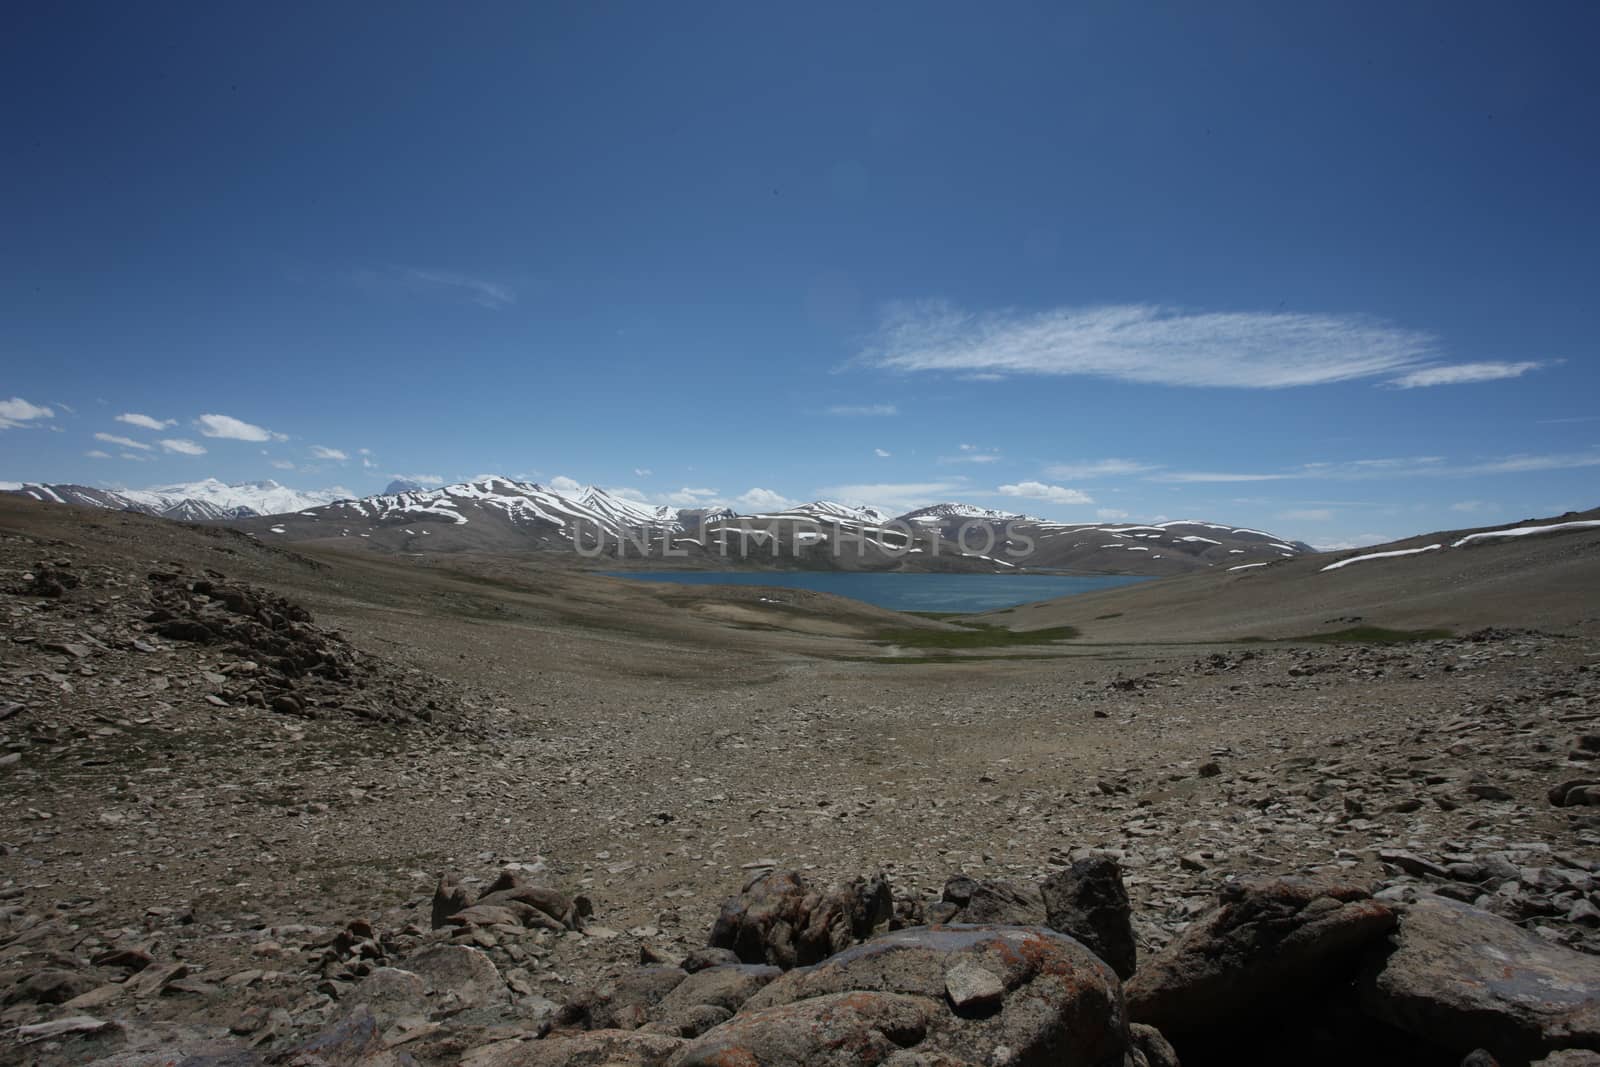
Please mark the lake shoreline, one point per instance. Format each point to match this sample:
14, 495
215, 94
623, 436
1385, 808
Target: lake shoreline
907, 591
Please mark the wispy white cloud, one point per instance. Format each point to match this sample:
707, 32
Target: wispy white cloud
1186, 477
760, 500
96, 453
421, 479
183, 446
882, 453
1394, 467
869, 410
324, 452
125, 442
1053, 494
1099, 468
439, 284
17, 412
562, 484
693, 498
972, 454
147, 422
642, 472
1110, 514
1523, 464
283, 464
1148, 344
1464, 373
1307, 514
226, 426
481, 291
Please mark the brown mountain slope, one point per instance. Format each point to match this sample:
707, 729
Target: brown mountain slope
1548, 581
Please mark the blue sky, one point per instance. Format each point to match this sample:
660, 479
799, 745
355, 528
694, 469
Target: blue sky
1328, 270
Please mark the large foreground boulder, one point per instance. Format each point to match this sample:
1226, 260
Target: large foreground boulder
1088, 901
1462, 978
778, 919
932, 995
1269, 942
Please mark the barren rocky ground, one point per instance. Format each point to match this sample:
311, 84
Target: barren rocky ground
231, 778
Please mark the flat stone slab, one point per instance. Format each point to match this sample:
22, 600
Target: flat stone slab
1464, 978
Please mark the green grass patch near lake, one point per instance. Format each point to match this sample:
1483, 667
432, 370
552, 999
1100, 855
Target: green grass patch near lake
974, 635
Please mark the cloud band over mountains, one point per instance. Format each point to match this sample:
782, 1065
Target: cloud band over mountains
1154, 345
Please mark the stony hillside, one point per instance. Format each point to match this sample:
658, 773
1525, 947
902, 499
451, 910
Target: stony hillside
1540, 573
484, 831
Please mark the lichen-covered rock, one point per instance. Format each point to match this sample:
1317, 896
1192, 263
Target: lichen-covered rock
1268, 941
856, 1029
891, 997
1462, 978
458, 977
623, 1004
778, 919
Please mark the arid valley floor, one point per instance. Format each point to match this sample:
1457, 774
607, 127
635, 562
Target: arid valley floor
187, 826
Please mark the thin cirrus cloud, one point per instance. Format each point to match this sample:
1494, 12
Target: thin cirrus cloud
1148, 344
1464, 374
147, 422
230, 428
324, 452
1397, 467
1099, 468
125, 442
972, 454
864, 410
1052, 494
1523, 464
17, 412
183, 446
483, 292
480, 291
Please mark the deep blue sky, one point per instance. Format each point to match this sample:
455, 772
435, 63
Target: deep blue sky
1329, 270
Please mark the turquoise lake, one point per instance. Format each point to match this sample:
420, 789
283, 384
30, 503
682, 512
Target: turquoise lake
907, 592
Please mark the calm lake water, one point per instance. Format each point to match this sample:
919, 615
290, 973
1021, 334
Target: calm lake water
907, 592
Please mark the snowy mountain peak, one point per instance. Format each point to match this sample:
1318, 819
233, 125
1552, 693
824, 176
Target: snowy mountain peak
206, 500
952, 510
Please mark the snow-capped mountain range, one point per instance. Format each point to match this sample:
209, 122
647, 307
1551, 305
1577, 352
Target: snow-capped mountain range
203, 501
498, 514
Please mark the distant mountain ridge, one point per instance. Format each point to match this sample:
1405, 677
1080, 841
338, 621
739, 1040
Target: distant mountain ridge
499, 514
503, 515
208, 500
